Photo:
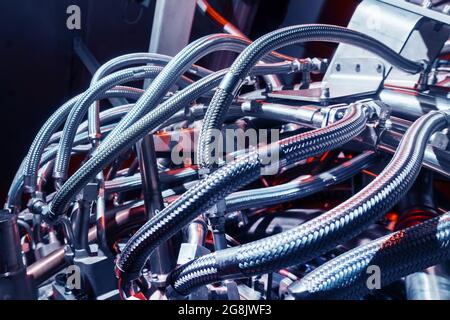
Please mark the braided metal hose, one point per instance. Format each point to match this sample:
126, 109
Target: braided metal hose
109, 115
126, 61
146, 124
42, 138
179, 65
80, 108
396, 255
227, 179
151, 121
173, 70
323, 233
272, 41
300, 187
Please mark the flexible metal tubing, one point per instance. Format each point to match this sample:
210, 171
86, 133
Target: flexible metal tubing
116, 112
256, 198
126, 61
109, 115
300, 187
325, 232
396, 255
80, 108
94, 116
122, 215
227, 179
152, 120
122, 184
229, 86
150, 58
34, 154
175, 68
81, 138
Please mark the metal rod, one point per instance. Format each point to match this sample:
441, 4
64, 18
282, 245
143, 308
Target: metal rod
162, 260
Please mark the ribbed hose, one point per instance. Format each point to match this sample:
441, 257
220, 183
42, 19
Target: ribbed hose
175, 68
227, 179
272, 41
34, 154
107, 116
80, 108
126, 61
323, 233
146, 124
300, 187
143, 126
396, 255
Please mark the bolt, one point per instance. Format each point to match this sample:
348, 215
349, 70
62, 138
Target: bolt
325, 91
339, 115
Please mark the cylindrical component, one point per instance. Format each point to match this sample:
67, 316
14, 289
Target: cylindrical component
411, 104
14, 284
81, 229
196, 232
430, 284
162, 260
47, 266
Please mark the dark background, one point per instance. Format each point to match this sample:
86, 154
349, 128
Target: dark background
39, 70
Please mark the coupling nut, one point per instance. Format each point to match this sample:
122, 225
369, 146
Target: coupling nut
38, 206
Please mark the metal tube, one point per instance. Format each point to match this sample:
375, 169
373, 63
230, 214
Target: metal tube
162, 260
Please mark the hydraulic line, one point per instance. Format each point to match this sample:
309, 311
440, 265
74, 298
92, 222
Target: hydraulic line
230, 85
300, 187
229, 178
79, 110
126, 61
245, 199
152, 120
109, 115
325, 232
81, 138
94, 120
175, 68
395, 255
34, 154
125, 217
122, 184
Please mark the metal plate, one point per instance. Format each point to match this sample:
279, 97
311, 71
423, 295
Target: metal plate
424, 8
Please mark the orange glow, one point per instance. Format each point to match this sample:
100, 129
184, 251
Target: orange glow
369, 173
